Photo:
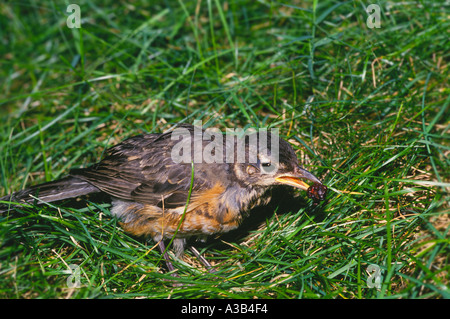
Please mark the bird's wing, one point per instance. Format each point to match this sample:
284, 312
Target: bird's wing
141, 169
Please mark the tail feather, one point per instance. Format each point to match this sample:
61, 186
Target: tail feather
68, 187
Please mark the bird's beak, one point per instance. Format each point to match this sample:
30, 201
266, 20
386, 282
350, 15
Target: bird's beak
295, 179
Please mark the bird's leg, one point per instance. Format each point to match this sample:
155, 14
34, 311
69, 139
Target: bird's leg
169, 265
202, 259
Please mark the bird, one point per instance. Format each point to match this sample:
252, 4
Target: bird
156, 195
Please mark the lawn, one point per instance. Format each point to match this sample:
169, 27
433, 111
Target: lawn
365, 108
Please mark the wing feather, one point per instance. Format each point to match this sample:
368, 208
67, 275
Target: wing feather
141, 169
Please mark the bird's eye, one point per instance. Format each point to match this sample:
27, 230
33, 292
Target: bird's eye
268, 168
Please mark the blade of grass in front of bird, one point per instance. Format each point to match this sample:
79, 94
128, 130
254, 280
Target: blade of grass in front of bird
184, 212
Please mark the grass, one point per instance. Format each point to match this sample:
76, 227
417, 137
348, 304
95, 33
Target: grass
366, 110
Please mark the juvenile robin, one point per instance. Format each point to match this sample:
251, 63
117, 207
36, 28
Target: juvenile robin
156, 195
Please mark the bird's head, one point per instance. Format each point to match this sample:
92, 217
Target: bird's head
276, 165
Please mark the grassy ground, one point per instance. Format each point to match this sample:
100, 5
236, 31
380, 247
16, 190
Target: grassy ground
366, 110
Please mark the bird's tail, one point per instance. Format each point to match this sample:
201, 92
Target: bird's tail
68, 187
